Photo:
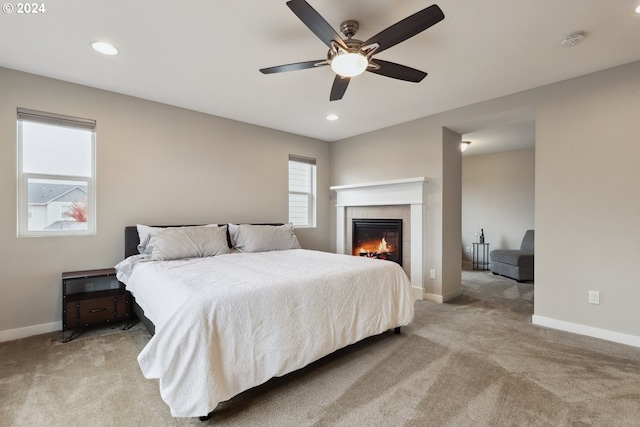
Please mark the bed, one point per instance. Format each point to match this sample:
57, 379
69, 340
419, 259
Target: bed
231, 306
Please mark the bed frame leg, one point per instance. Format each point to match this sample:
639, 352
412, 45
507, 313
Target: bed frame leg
206, 417
396, 330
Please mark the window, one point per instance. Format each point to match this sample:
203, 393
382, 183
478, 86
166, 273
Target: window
56, 174
302, 191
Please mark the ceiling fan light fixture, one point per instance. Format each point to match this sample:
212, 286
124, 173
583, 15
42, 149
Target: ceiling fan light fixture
349, 64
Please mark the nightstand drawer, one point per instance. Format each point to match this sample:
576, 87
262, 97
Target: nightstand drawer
96, 310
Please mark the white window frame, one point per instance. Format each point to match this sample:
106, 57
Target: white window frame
23, 177
310, 194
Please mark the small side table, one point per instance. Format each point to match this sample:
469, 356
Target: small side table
480, 256
93, 297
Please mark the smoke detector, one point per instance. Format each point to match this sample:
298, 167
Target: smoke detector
572, 39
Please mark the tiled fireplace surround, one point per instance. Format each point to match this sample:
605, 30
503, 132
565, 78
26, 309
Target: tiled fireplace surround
389, 200
382, 212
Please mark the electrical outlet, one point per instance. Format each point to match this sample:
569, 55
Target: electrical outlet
594, 297
468, 248
432, 273
115, 284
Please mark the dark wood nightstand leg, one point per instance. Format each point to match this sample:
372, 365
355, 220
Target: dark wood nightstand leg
70, 336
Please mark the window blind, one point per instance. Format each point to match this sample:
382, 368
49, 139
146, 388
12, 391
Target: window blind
300, 159
55, 119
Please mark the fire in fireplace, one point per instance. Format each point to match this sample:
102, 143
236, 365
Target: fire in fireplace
377, 238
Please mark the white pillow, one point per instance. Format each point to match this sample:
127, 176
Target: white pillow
188, 242
263, 238
145, 232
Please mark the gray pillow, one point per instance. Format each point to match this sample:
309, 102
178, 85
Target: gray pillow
188, 242
263, 238
145, 232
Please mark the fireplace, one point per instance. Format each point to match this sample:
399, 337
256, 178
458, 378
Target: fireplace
377, 238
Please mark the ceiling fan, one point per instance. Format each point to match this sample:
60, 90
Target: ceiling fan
349, 57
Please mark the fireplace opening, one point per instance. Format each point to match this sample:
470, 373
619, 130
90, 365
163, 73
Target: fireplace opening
377, 238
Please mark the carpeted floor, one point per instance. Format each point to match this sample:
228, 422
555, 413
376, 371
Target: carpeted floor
476, 361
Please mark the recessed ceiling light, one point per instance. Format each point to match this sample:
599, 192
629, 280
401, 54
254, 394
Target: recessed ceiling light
332, 117
638, 9
104, 48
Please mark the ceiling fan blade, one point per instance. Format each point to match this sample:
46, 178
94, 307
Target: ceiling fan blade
315, 22
294, 67
397, 71
339, 87
407, 28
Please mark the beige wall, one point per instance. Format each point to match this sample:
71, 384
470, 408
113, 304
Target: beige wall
588, 201
451, 214
498, 195
190, 167
587, 194
155, 164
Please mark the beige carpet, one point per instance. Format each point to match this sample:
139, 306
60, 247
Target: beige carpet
476, 361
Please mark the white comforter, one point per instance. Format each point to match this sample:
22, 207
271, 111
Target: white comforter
227, 323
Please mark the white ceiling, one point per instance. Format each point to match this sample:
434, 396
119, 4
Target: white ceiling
204, 55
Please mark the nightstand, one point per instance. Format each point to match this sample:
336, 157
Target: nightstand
92, 298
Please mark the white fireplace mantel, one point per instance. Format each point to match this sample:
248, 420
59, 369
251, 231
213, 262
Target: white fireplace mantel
408, 191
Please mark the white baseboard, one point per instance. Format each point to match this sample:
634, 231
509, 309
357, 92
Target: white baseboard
442, 298
417, 293
15, 334
589, 331
432, 297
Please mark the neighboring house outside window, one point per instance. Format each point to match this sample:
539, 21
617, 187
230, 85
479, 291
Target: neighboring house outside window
56, 174
51, 204
302, 191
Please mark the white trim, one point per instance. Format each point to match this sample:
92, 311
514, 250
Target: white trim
433, 297
442, 299
417, 233
589, 331
16, 334
383, 193
417, 293
377, 184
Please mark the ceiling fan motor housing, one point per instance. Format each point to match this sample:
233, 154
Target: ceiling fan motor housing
353, 46
349, 28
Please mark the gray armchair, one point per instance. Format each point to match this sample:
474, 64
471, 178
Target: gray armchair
515, 264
